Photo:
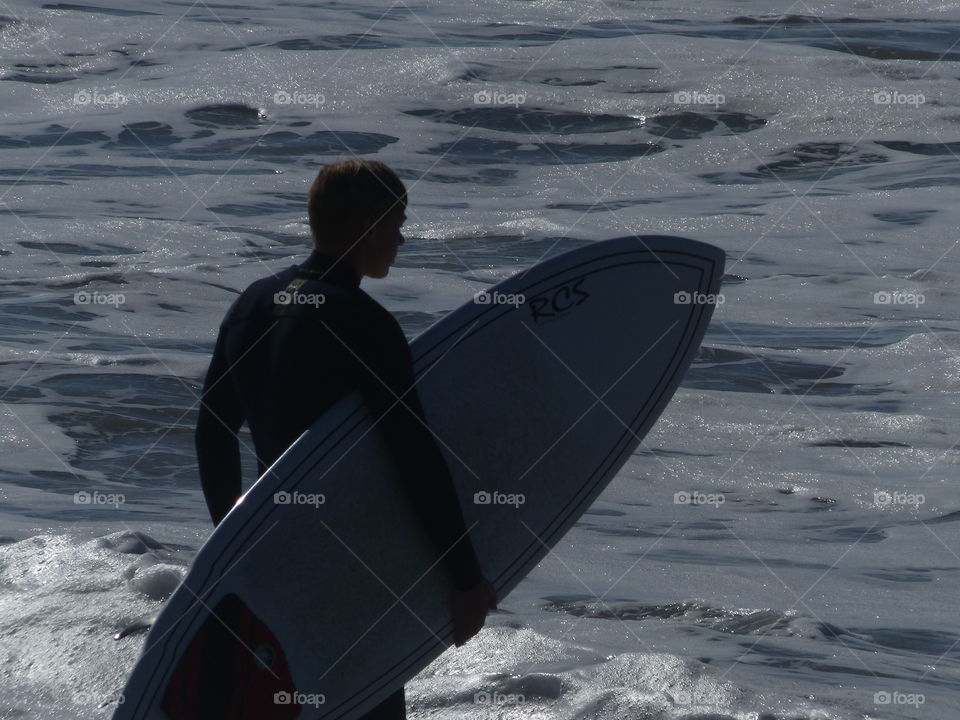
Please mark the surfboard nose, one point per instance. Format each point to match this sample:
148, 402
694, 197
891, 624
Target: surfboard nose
233, 669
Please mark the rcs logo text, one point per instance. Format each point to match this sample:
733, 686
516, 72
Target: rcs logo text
553, 303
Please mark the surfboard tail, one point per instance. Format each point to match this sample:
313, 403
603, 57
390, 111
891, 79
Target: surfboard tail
233, 669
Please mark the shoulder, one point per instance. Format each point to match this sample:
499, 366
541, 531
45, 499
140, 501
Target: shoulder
258, 295
378, 313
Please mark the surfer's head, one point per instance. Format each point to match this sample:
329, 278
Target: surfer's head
356, 208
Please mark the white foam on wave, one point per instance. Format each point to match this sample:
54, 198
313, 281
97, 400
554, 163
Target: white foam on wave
520, 673
64, 598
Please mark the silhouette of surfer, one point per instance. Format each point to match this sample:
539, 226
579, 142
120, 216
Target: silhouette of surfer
292, 345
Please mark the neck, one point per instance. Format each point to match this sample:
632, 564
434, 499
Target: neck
348, 256
335, 263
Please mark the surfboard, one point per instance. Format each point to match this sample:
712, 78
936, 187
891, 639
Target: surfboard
319, 594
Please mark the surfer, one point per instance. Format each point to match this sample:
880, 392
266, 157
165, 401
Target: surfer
293, 344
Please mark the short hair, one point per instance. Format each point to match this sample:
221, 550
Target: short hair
347, 191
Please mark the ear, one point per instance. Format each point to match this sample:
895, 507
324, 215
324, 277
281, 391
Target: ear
364, 225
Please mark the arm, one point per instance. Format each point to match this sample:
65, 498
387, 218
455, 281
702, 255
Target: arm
389, 387
218, 450
387, 383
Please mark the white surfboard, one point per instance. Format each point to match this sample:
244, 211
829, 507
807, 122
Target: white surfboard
321, 606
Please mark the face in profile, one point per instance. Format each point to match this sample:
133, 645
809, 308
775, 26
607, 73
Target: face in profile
380, 243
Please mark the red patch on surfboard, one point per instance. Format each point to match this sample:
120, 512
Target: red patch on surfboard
233, 669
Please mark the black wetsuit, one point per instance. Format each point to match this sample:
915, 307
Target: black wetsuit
278, 367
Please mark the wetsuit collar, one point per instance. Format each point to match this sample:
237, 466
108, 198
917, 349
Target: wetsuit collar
332, 269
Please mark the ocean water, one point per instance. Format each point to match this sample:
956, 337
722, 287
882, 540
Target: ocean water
783, 546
